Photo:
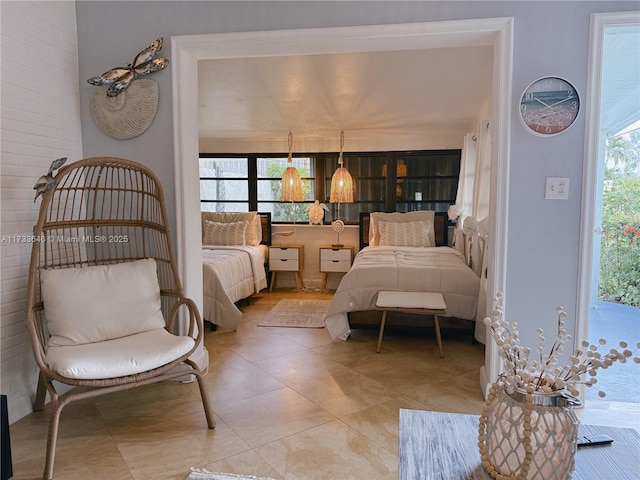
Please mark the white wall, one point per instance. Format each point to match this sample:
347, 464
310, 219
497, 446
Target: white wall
312, 237
40, 122
549, 39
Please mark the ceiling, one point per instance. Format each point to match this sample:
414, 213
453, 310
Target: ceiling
383, 100
431, 97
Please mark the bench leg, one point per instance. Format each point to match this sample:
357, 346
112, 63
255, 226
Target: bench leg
436, 324
384, 319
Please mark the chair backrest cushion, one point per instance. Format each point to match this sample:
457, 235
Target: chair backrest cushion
104, 302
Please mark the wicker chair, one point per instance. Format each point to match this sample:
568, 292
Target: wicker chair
104, 212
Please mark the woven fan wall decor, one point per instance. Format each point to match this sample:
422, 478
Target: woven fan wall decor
124, 105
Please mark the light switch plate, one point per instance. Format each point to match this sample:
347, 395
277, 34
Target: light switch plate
556, 188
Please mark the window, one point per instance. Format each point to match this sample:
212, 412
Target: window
383, 181
426, 180
269, 173
369, 184
224, 184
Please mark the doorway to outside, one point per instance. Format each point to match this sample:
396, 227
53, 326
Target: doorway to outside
614, 294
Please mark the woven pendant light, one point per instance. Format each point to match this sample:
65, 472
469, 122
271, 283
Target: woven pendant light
341, 181
291, 187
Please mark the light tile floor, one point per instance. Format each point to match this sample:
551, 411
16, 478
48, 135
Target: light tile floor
289, 404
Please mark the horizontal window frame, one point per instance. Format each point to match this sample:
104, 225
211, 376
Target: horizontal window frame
322, 178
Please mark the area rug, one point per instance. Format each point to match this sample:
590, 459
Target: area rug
202, 474
297, 313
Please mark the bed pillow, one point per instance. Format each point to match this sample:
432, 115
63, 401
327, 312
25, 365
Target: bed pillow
405, 234
424, 215
104, 302
253, 234
220, 233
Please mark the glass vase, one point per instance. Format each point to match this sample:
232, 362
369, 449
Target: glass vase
528, 436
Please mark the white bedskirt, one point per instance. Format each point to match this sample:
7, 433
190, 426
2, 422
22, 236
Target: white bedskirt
230, 274
435, 269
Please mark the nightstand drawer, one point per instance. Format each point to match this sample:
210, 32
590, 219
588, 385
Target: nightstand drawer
283, 253
331, 254
288, 258
284, 264
335, 265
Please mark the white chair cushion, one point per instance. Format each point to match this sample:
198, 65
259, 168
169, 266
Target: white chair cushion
120, 357
93, 304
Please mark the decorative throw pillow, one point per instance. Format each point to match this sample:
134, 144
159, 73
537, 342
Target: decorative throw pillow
374, 230
218, 233
405, 234
253, 234
104, 302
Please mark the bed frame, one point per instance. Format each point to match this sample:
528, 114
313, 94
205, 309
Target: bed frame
265, 221
370, 319
440, 226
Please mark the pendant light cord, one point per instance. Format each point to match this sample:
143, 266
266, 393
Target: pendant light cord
293, 206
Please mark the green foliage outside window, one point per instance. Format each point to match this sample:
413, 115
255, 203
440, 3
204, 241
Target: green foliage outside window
286, 211
619, 276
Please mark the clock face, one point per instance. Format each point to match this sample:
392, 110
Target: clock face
549, 106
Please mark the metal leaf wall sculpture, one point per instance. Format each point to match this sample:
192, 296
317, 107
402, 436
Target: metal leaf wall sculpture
47, 182
124, 104
119, 78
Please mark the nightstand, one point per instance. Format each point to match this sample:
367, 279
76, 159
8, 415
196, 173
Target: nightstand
334, 260
286, 258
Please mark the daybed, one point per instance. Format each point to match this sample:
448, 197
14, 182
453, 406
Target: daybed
403, 252
234, 253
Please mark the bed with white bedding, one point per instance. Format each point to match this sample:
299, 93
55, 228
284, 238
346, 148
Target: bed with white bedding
403, 256
230, 274
234, 254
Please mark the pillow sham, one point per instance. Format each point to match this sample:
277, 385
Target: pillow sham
104, 302
253, 234
374, 230
220, 233
405, 234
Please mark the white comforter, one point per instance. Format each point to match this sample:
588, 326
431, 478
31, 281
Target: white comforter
436, 269
231, 273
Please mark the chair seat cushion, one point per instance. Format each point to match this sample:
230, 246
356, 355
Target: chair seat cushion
119, 357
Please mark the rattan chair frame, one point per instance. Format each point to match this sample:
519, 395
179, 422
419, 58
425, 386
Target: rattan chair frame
103, 211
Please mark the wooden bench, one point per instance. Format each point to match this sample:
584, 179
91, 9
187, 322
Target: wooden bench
424, 303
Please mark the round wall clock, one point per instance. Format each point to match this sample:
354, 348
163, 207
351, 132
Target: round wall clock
549, 106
